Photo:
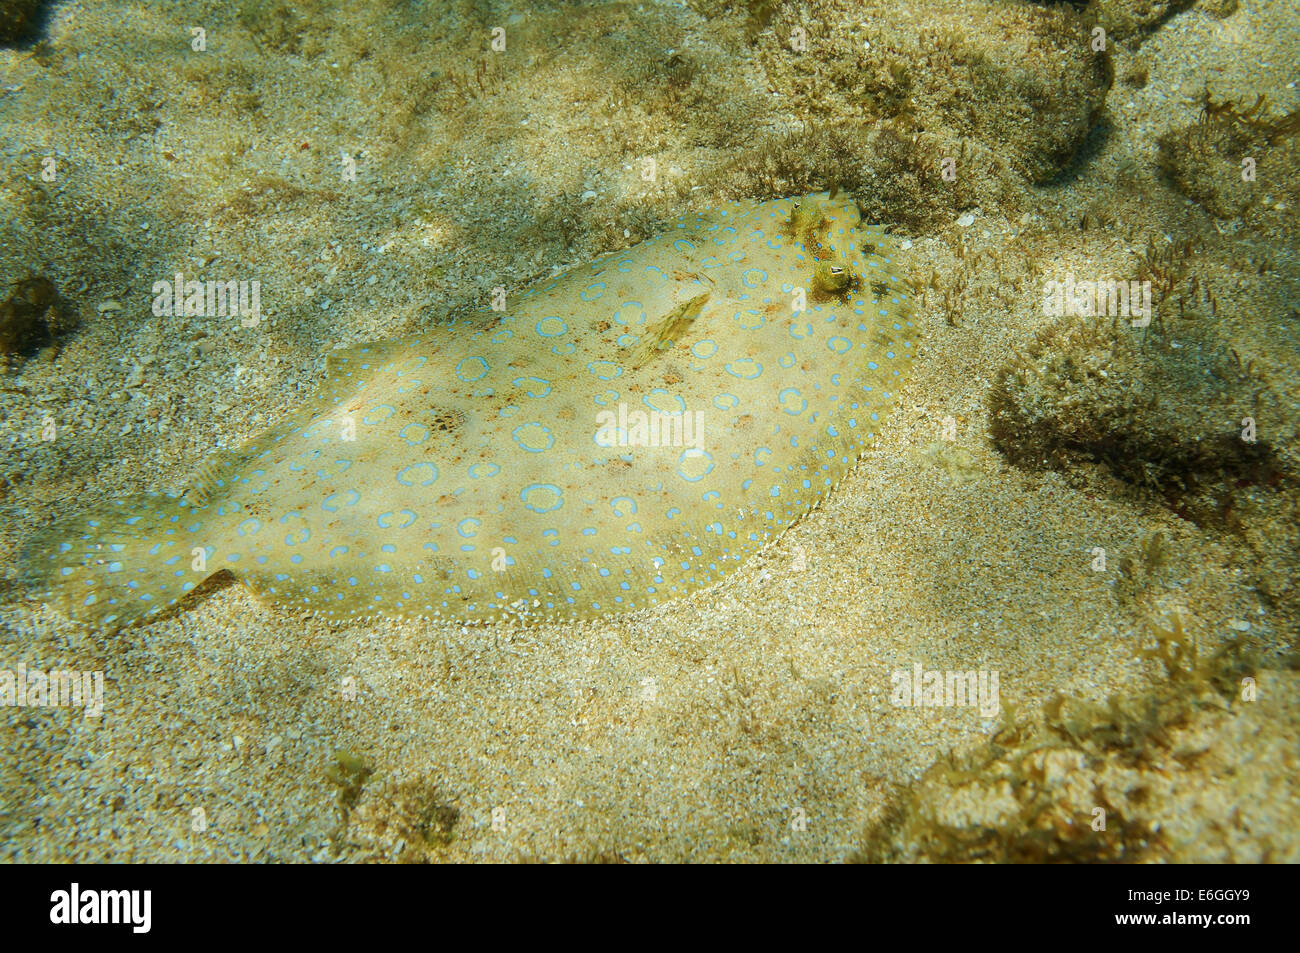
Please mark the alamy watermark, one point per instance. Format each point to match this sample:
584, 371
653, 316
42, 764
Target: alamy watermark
637, 428
922, 688
20, 688
128, 907
1126, 299
211, 299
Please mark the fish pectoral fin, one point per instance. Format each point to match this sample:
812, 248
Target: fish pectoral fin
668, 330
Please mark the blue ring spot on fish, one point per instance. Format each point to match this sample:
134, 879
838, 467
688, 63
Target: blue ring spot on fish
414, 434
694, 465
542, 497
787, 400
745, 369
533, 437
378, 414
351, 499
660, 401
551, 326
418, 474
544, 384
389, 521
472, 369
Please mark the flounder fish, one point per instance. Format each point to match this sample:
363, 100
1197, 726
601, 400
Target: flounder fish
619, 436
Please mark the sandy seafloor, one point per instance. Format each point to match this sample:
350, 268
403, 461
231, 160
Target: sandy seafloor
703, 731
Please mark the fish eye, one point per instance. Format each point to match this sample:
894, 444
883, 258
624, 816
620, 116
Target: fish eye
830, 277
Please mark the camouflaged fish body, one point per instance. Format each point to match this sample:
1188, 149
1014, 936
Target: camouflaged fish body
626, 433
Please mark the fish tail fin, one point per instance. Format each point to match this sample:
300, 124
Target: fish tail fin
119, 564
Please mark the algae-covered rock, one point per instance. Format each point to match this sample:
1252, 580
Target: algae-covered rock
893, 171
1022, 81
1136, 19
29, 318
1128, 18
20, 20
1031, 806
1163, 776
1231, 156
1166, 412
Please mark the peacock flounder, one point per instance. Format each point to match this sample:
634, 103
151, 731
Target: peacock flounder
622, 435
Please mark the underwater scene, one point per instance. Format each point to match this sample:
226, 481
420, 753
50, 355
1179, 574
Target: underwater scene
736, 431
